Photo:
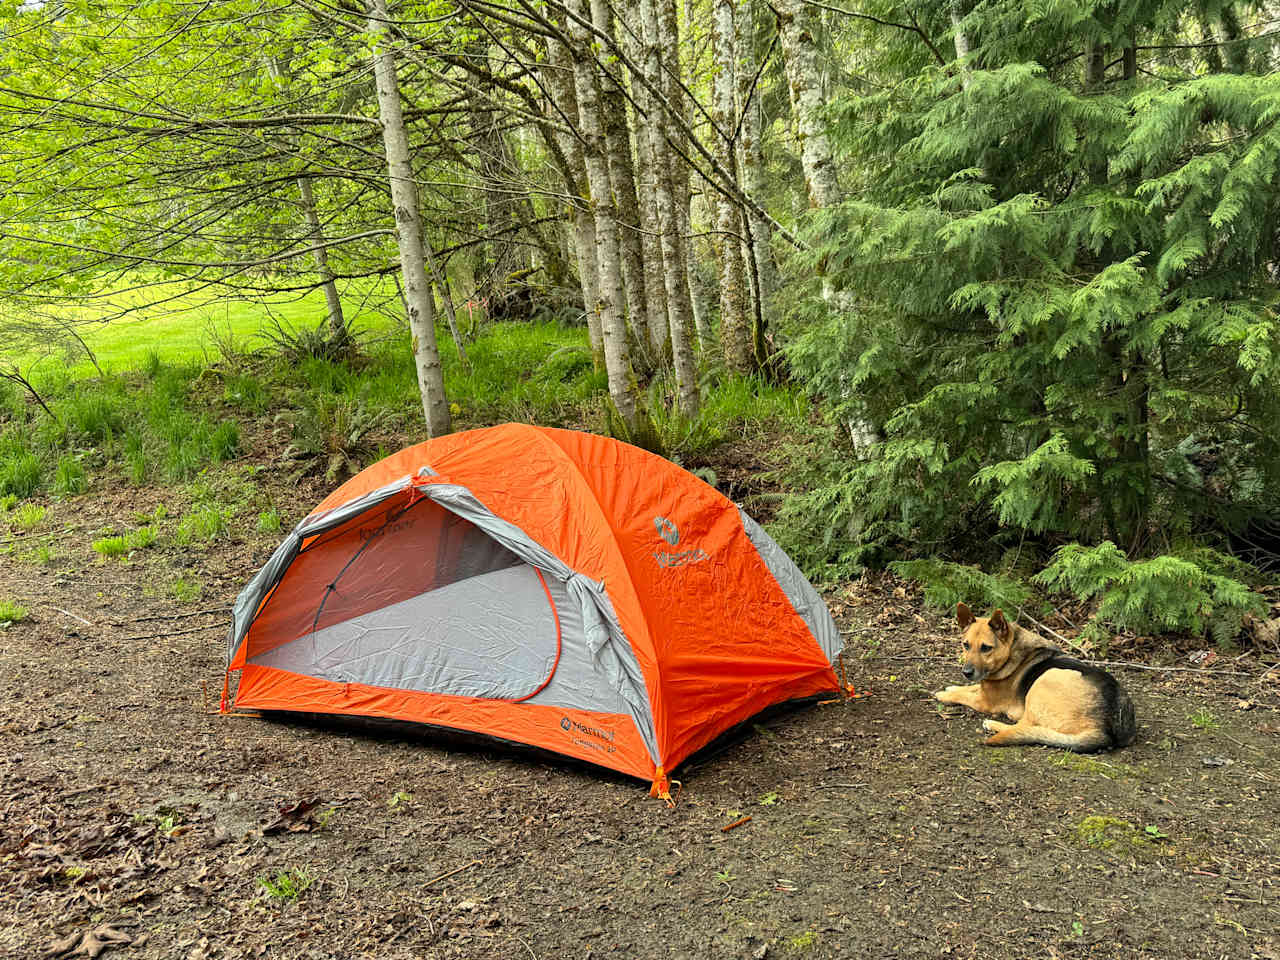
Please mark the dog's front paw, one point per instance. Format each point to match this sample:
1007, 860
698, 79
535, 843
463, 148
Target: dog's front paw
994, 726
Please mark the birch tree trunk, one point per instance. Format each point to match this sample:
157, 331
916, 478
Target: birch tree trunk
735, 328
623, 389
404, 200
679, 306
647, 113
337, 322
800, 51
560, 83
617, 144
751, 156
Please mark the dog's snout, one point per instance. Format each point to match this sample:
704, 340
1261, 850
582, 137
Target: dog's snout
967, 671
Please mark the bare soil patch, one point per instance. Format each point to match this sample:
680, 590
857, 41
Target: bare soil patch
137, 821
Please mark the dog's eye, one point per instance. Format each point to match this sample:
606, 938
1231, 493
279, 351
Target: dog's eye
985, 648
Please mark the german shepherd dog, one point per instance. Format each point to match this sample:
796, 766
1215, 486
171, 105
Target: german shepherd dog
1051, 698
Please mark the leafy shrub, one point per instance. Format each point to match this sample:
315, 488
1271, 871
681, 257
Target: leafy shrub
336, 429
1161, 594
946, 584
69, 478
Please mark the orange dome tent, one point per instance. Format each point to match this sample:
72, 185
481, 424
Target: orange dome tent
547, 587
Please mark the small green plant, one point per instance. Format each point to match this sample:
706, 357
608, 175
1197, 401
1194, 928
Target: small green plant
44, 555
287, 885
269, 521
28, 516
946, 584
111, 546
1164, 593
203, 523
69, 477
1077, 928
399, 799
768, 799
185, 591
725, 876
11, 612
8, 501
804, 942
224, 442
151, 364
20, 474
1155, 832
1204, 719
1112, 833
118, 546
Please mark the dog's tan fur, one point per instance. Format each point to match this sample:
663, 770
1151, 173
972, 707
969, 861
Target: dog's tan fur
1050, 698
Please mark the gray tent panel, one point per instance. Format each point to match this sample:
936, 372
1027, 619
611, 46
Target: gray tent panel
492, 636
799, 591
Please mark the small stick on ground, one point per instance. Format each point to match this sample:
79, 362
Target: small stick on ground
445, 876
737, 823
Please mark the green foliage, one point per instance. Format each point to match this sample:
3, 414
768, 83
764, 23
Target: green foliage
202, 524
8, 501
11, 612
186, 591
1164, 593
245, 391
1048, 307
287, 885
28, 516
269, 521
946, 584
118, 546
69, 477
21, 472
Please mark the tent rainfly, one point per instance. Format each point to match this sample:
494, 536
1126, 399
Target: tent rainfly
547, 587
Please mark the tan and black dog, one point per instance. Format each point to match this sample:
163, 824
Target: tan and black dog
1051, 698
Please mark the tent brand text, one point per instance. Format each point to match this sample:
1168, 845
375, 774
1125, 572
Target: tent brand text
570, 725
666, 558
368, 533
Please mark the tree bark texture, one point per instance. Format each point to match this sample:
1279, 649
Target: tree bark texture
617, 143
800, 52
404, 201
623, 389
679, 306
337, 321
560, 83
751, 161
735, 327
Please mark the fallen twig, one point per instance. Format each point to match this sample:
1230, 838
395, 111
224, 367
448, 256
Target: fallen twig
174, 633
445, 876
172, 616
68, 613
737, 823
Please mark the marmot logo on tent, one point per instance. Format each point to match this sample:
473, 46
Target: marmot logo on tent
568, 725
667, 531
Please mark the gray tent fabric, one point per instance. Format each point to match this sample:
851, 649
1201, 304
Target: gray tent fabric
796, 586
598, 668
492, 635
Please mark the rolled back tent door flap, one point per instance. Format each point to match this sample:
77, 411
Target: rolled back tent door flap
531, 585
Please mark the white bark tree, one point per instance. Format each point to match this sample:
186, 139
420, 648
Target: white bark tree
337, 321
804, 77
404, 201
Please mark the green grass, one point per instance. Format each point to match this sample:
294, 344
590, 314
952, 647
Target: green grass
186, 591
28, 516
11, 612
287, 885
69, 477
190, 327
118, 546
203, 524
269, 521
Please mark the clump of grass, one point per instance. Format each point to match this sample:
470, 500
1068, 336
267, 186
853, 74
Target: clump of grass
8, 501
151, 364
20, 471
1083, 763
28, 516
186, 591
1114, 834
287, 885
69, 477
118, 546
245, 391
269, 521
1205, 719
44, 555
203, 523
11, 612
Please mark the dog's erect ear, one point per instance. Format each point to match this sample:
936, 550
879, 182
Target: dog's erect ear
999, 625
964, 615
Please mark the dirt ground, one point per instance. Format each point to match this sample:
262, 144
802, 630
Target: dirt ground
135, 819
